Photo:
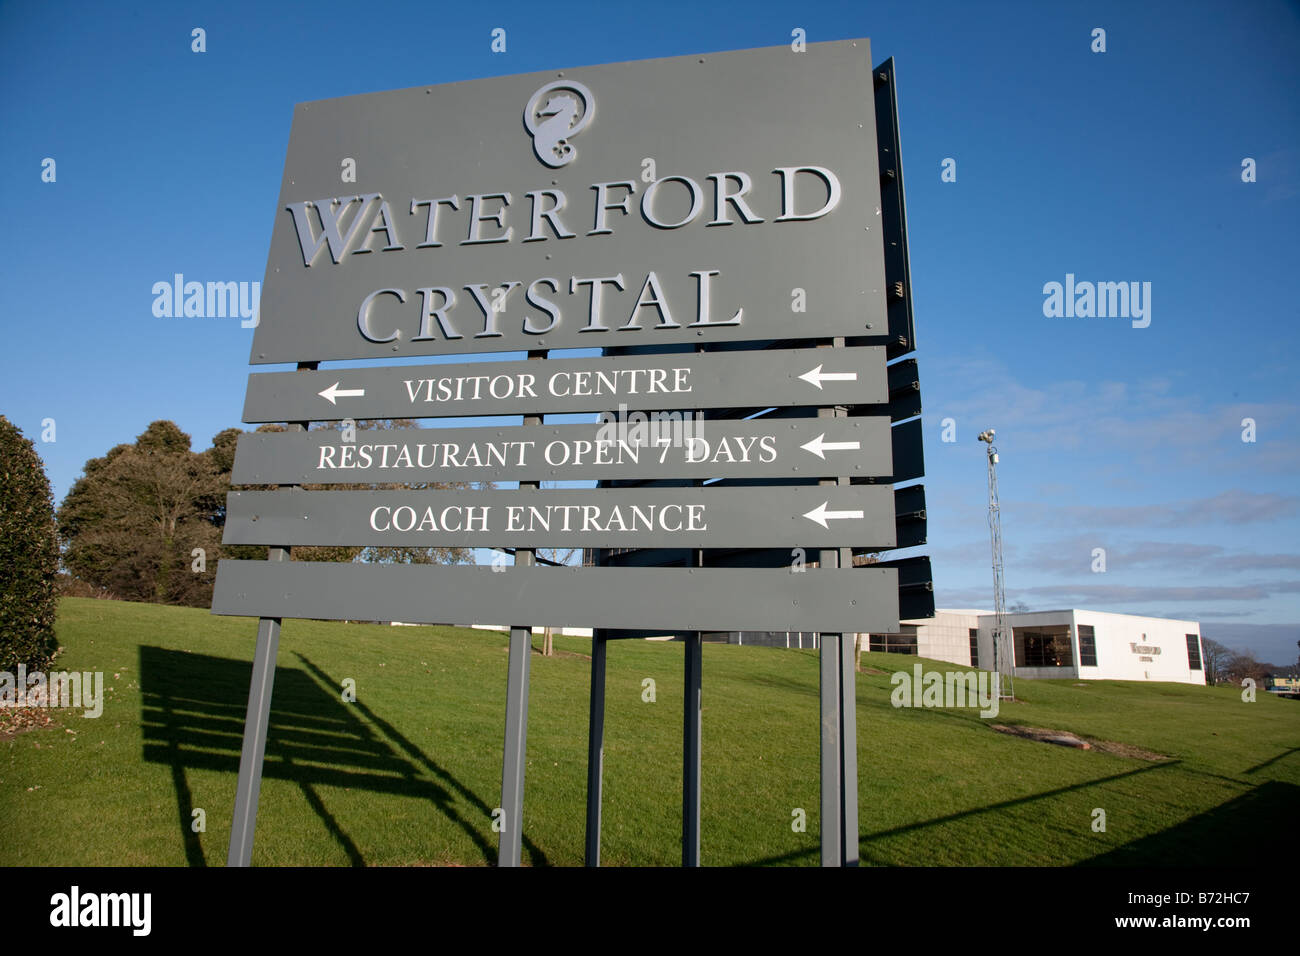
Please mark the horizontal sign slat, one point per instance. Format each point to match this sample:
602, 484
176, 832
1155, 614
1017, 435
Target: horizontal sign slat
766, 379
843, 516
847, 600
617, 450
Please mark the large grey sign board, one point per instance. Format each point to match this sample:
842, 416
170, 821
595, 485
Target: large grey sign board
657, 448
727, 197
848, 515
823, 599
765, 379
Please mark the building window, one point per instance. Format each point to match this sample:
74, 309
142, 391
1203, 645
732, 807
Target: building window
904, 643
974, 647
1193, 652
1087, 646
1045, 646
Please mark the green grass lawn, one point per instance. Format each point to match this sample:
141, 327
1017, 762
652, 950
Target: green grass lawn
410, 773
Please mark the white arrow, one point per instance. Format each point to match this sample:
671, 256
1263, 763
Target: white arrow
817, 376
821, 515
334, 392
817, 446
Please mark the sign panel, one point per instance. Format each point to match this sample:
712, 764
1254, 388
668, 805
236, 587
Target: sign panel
675, 445
718, 198
764, 599
764, 379
808, 516
759, 379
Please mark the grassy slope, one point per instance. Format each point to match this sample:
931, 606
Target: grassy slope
410, 773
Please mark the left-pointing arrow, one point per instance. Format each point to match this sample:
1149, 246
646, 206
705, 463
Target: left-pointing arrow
335, 392
821, 515
816, 376
819, 446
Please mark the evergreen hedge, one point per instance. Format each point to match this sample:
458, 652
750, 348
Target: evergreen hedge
29, 555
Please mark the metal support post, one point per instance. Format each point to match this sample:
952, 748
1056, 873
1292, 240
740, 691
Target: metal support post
831, 796
848, 753
512, 772
254, 748
691, 727
595, 746
257, 718
510, 847
839, 764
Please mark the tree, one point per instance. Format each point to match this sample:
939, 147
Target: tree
29, 555
1240, 666
135, 522
1214, 658
145, 520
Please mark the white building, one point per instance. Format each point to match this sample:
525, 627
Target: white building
1091, 645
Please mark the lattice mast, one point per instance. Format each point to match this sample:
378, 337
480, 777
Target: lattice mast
1004, 661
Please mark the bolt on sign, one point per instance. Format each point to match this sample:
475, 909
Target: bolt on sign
682, 203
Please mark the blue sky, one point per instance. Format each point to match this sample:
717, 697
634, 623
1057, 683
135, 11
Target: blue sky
1117, 166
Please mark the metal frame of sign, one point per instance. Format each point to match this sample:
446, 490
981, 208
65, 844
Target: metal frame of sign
349, 277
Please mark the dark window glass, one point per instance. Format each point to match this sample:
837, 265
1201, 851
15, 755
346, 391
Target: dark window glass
1193, 652
974, 647
904, 643
1087, 646
1045, 646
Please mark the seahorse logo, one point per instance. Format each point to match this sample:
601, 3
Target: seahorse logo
555, 114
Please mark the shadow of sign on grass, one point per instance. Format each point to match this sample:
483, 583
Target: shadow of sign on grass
1285, 754
193, 718
865, 838
1235, 833
1242, 832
